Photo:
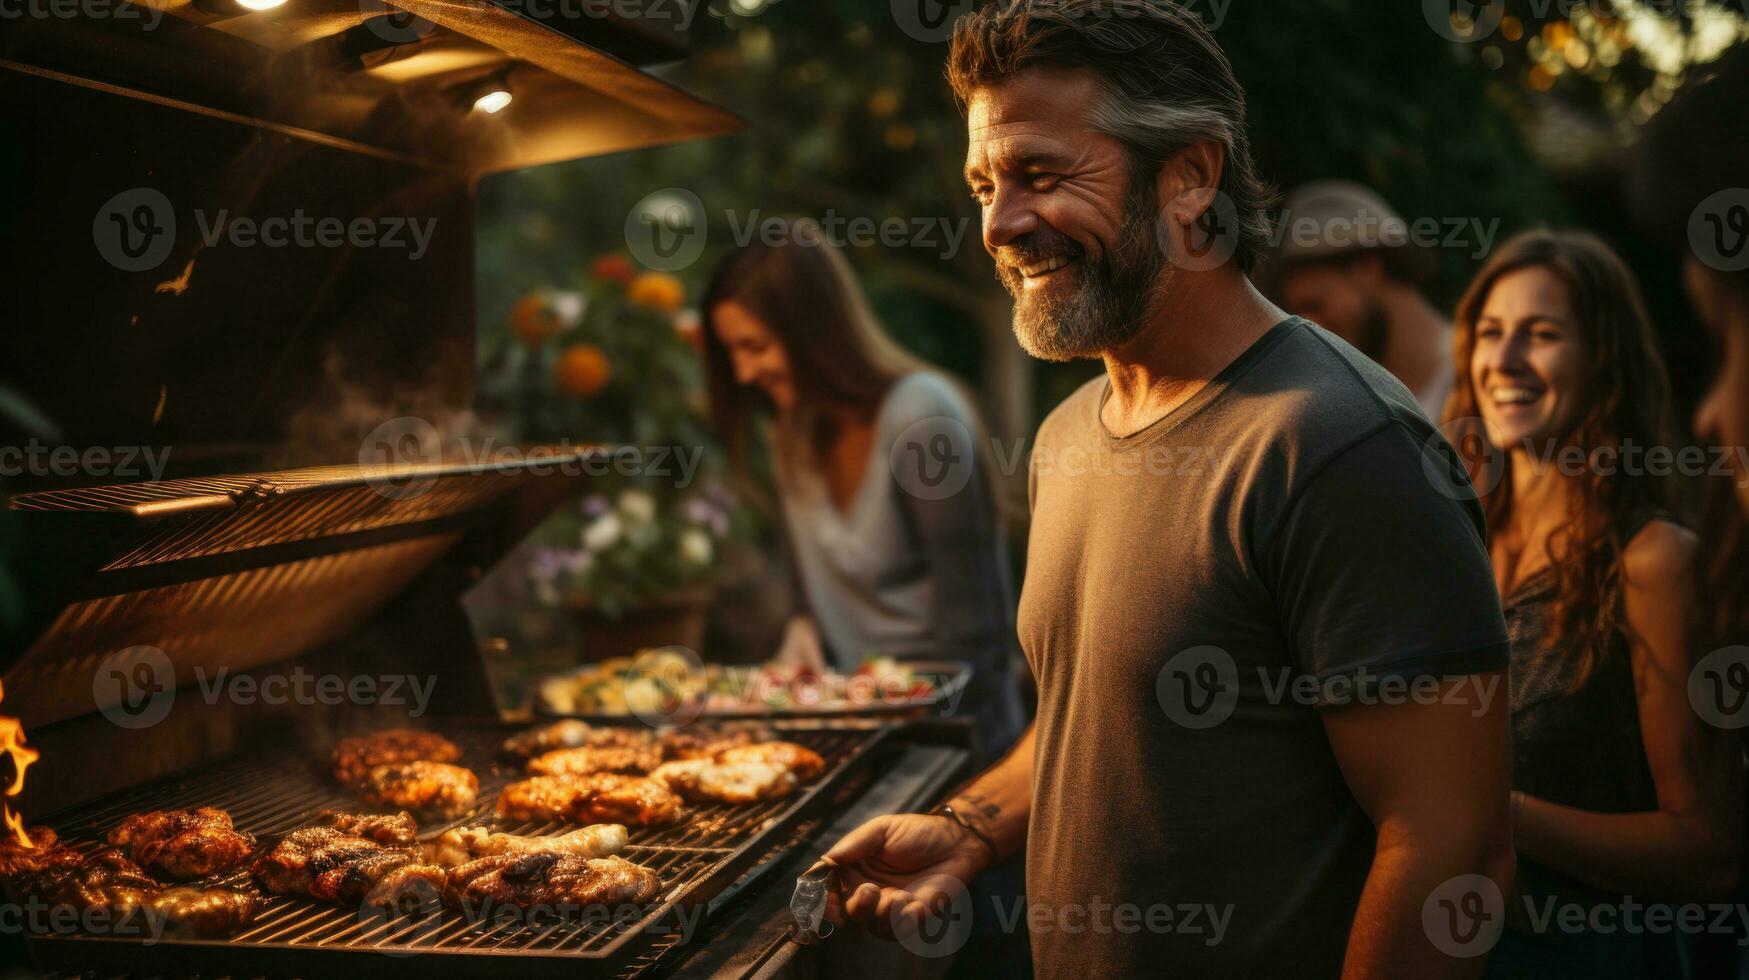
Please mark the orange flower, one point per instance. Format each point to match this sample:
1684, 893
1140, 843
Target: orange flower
582, 370
612, 268
534, 319
657, 290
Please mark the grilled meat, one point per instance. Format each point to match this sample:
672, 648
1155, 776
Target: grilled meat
183, 843
799, 759
325, 863
705, 742
569, 734
552, 881
46, 854
397, 830
463, 844
409, 888
600, 797
597, 758
423, 787
707, 781
110, 880
354, 758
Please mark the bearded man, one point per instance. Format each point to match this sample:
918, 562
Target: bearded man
1257, 602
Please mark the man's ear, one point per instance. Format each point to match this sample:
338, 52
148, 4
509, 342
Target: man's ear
1187, 183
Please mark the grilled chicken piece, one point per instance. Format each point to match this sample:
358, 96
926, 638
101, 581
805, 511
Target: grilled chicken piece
183, 843
707, 781
324, 863
110, 880
409, 888
463, 844
799, 759
552, 881
569, 734
601, 797
47, 853
703, 743
354, 758
596, 758
397, 830
424, 787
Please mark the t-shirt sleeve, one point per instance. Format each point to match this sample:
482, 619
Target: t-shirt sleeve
1379, 569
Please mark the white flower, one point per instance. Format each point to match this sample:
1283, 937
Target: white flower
695, 546
601, 532
638, 506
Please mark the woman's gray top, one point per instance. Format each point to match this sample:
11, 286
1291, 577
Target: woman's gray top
916, 567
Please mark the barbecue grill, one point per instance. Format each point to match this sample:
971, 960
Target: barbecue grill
271, 544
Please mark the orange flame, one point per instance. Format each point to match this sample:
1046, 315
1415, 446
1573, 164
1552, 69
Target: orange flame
12, 746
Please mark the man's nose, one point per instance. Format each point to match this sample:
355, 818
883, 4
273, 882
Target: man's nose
1006, 218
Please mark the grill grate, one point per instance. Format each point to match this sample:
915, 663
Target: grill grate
268, 796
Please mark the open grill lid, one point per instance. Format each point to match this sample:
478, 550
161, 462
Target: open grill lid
396, 80
240, 571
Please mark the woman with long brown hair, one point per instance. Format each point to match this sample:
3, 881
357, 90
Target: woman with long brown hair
1620, 796
887, 503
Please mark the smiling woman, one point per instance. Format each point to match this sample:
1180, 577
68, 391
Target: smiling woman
1620, 795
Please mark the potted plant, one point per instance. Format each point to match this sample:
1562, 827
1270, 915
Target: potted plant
616, 362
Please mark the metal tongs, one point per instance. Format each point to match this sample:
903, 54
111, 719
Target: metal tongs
808, 904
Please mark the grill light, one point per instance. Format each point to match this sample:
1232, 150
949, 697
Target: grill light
491, 101
259, 4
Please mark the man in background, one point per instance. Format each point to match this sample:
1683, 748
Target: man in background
1346, 263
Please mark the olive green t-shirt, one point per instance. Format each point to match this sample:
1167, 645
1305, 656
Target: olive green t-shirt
1196, 593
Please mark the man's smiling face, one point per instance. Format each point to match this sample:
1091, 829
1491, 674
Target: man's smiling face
1072, 235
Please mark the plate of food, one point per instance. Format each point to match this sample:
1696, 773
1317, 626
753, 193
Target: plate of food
671, 685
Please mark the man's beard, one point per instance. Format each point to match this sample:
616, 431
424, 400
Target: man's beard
1109, 304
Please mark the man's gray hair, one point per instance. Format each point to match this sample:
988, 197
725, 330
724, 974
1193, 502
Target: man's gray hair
1167, 85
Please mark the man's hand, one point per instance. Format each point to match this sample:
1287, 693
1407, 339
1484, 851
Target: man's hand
902, 866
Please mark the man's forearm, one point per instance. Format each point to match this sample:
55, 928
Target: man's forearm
999, 802
1390, 937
